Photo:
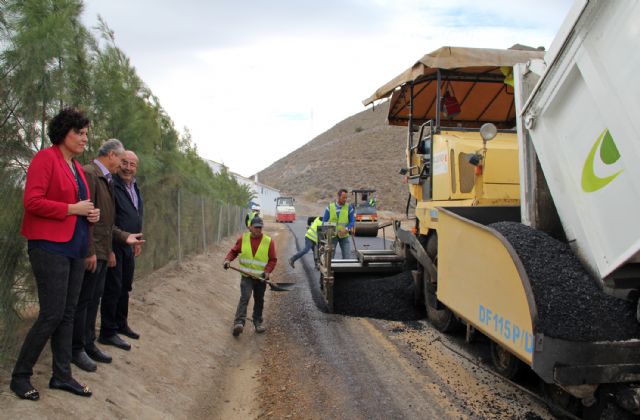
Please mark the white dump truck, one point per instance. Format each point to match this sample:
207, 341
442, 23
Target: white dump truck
583, 121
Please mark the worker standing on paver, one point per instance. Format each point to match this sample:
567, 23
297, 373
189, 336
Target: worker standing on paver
257, 257
343, 216
310, 242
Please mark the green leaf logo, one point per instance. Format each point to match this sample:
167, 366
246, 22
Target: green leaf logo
608, 155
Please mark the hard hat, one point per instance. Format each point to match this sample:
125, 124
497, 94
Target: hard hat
256, 222
255, 207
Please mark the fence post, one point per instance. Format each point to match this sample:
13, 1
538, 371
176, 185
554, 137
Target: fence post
204, 227
228, 213
219, 221
179, 237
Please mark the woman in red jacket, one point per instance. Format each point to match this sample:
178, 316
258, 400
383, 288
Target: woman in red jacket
57, 214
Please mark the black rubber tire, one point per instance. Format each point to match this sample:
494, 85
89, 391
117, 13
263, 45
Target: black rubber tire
614, 412
442, 319
557, 397
366, 230
505, 363
431, 246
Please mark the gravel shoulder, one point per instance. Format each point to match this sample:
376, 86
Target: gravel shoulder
185, 365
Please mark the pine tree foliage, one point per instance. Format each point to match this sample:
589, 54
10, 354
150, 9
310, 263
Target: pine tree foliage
49, 60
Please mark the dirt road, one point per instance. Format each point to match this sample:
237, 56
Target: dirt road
309, 364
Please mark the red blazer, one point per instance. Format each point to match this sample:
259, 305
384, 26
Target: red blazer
50, 188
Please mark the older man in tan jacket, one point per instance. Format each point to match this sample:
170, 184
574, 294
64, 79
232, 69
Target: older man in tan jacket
99, 178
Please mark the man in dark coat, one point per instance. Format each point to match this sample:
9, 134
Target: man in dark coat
129, 211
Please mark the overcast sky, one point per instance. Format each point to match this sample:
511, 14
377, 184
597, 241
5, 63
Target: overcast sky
255, 80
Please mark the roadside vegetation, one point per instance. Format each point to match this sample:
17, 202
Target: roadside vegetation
48, 61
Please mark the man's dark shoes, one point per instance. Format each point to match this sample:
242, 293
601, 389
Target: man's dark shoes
129, 333
116, 341
98, 355
24, 389
70, 386
83, 361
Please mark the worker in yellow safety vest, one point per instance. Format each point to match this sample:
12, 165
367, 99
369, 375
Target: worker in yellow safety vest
257, 256
342, 215
310, 241
255, 211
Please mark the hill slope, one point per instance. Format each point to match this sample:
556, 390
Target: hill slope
360, 152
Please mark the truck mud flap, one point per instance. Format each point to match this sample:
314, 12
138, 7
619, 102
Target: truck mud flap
577, 363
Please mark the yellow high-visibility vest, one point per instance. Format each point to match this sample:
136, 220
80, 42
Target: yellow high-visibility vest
254, 264
341, 220
251, 216
312, 232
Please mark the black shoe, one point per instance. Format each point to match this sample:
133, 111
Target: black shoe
70, 386
23, 389
237, 329
83, 361
116, 341
129, 333
98, 355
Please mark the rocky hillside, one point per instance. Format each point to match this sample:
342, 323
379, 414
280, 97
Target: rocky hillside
360, 152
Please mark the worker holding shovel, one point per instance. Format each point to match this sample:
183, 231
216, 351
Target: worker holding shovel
257, 254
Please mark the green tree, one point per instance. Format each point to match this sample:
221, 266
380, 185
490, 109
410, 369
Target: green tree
45, 34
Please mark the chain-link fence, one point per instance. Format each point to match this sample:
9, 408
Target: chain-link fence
177, 223
187, 224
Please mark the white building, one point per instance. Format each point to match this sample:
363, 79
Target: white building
265, 196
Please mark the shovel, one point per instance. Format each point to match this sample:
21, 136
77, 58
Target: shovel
276, 287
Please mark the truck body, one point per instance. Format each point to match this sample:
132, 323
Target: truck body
588, 161
285, 211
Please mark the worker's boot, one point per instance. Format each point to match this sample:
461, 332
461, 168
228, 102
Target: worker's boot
291, 262
259, 327
237, 329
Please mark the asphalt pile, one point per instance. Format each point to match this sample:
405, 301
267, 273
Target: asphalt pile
375, 296
570, 303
